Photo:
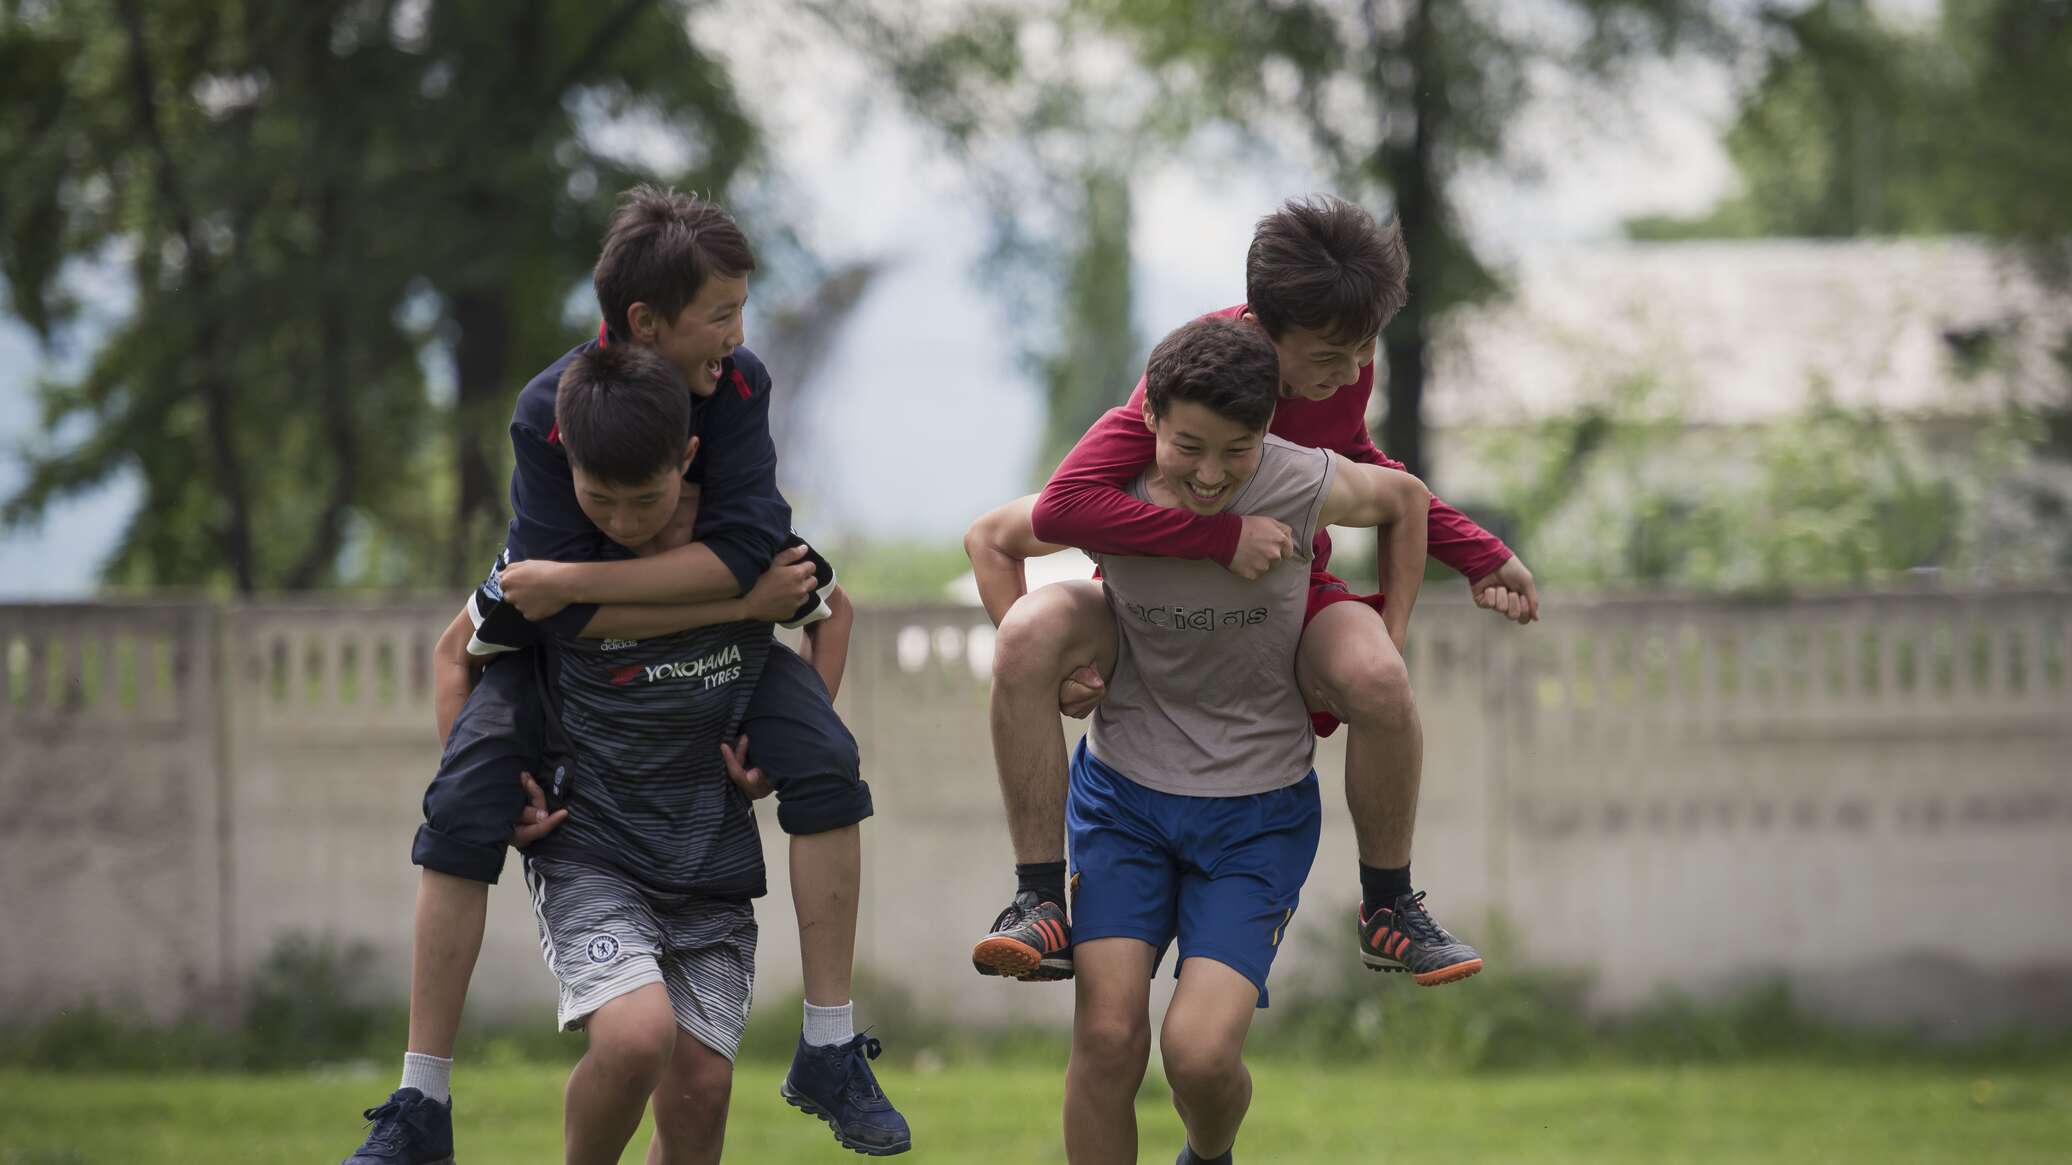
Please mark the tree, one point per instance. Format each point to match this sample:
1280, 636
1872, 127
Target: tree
313, 200
1098, 350
1396, 97
1855, 127
1050, 147
1858, 128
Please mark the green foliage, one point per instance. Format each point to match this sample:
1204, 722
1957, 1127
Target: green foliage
1622, 493
1397, 99
1099, 352
1859, 127
899, 571
1514, 1018
308, 1006
314, 201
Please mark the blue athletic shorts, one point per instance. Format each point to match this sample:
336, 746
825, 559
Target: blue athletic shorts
1221, 874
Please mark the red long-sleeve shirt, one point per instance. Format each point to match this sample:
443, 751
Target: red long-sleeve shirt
1086, 503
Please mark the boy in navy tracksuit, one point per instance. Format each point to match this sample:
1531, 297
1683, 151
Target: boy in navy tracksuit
672, 277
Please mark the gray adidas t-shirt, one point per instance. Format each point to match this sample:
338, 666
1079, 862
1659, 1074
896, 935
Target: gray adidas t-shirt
650, 795
1204, 701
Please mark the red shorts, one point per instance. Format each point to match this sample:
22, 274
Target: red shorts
1325, 589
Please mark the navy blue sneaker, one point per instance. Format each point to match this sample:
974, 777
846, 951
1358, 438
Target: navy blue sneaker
836, 1084
411, 1129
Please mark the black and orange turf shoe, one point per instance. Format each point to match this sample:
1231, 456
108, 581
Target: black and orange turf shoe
1031, 941
1403, 937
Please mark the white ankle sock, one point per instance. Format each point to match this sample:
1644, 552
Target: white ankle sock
830, 1025
429, 1075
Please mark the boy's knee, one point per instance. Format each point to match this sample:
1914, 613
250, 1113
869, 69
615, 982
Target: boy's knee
1119, 1043
1372, 691
691, 1108
1195, 1067
635, 1054
1030, 645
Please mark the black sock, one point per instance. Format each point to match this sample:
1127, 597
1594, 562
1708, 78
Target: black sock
1379, 887
1047, 879
1189, 1157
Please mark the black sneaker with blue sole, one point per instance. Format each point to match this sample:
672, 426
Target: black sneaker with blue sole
836, 1084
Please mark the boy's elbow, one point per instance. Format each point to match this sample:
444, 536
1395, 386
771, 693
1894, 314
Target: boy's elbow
453, 644
1045, 513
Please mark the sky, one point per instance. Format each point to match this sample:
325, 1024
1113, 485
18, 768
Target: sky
928, 362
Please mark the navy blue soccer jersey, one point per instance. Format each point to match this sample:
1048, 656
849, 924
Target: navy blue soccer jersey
742, 517
645, 786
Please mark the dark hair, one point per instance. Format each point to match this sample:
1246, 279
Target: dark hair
1323, 264
1227, 366
659, 249
623, 413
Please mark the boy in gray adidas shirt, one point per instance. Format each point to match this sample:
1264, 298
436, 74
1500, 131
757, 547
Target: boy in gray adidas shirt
1193, 812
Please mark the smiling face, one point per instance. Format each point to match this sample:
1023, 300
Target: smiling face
1203, 458
705, 332
1314, 366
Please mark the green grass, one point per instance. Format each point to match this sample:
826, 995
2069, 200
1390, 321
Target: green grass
1304, 1112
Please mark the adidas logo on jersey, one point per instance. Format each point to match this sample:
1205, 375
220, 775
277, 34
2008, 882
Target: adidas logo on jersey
1179, 618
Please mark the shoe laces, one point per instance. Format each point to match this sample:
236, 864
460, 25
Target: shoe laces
1019, 911
862, 1083
387, 1119
1412, 919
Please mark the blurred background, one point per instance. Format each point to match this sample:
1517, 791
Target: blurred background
1747, 324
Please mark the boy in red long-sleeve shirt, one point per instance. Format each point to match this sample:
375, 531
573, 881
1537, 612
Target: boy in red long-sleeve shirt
1322, 278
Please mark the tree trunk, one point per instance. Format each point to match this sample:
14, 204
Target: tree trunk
481, 411
334, 382
1419, 207
217, 393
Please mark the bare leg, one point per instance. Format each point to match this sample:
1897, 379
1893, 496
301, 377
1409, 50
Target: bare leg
1202, 1044
691, 1105
1111, 1041
1348, 666
451, 915
1046, 635
632, 1041
825, 871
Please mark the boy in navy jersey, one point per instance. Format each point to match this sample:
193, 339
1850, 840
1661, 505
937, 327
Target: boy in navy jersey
672, 278
642, 894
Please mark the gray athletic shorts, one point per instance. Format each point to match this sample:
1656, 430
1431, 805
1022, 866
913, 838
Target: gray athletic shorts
604, 936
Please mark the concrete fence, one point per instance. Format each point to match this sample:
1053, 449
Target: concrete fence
1871, 795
